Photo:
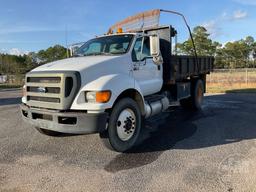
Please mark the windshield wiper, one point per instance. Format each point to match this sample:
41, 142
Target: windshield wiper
95, 54
78, 55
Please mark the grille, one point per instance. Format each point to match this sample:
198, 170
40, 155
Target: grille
44, 79
52, 90
44, 99
47, 89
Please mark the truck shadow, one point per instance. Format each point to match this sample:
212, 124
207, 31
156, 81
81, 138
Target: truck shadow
160, 133
163, 132
155, 139
177, 128
224, 119
128, 161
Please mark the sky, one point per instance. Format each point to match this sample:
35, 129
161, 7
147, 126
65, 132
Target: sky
32, 25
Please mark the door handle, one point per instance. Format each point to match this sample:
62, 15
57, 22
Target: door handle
136, 67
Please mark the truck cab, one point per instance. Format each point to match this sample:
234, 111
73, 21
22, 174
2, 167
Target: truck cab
111, 84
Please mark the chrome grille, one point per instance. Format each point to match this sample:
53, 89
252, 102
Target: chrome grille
52, 90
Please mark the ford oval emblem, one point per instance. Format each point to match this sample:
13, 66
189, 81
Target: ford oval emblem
41, 90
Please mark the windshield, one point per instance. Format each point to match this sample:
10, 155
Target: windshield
109, 45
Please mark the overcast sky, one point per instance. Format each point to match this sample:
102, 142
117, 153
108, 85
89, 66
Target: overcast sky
31, 25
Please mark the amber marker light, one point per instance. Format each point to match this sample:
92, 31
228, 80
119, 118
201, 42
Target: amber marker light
103, 96
98, 96
119, 30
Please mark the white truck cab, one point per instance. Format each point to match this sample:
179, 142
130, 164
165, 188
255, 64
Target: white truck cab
110, 85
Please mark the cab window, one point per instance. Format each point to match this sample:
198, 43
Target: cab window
106, 45
92, 48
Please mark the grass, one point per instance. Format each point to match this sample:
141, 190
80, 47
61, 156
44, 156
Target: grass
234, 81
231, 88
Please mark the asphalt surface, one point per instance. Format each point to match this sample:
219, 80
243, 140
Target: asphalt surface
210, 150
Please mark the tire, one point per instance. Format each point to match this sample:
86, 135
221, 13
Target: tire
48, 132
124, 126
195, 101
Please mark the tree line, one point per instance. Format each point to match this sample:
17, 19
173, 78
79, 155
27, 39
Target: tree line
12, 64
237, 54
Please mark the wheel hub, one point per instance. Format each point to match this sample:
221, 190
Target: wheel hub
126, 124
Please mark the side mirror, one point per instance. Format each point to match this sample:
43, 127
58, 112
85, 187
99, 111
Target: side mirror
154, 46
155, 50
71, 51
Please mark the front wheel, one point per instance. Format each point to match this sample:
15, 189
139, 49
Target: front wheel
124, 126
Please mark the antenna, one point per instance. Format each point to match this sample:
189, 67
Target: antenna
66, 40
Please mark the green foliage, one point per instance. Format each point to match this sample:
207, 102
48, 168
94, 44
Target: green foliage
238, 54
11, 64
204, 45
52, 54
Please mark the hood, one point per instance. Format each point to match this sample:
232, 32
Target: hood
76, 63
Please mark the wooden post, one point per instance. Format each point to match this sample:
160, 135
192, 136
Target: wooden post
246, 76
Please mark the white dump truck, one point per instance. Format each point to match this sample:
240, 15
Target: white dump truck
114, 82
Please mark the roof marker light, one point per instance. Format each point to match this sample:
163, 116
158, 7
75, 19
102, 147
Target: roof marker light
119, 30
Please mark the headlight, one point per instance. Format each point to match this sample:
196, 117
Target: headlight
97, 96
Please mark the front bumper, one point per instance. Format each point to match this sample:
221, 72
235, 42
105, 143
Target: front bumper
65, 122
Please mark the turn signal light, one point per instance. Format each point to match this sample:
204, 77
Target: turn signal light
103, 96
98, 96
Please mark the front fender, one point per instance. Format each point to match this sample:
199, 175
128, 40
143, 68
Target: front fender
116, 83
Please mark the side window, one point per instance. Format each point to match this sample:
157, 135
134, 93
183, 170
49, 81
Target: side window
146, 48
141, 44
136, 52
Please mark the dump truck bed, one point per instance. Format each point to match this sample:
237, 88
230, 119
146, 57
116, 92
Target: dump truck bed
179, 67
187, 66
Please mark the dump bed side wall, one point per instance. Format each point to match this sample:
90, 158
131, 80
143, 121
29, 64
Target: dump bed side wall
187, 66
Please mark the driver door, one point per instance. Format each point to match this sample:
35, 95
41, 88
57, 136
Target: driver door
145, 71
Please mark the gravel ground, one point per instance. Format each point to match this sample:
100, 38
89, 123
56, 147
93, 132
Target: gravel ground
210, 150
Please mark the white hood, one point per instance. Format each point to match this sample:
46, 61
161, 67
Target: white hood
77, 63
90, 67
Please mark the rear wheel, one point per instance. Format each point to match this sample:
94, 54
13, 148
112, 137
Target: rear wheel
195, 101
48, 132
124, 126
